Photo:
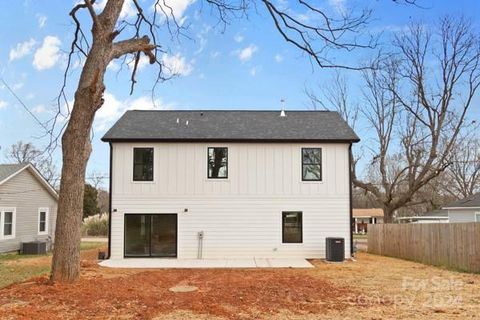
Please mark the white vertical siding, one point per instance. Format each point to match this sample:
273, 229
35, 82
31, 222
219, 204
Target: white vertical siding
241, 216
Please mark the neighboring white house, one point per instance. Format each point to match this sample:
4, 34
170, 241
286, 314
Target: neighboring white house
465, 210
220, 184
434, 216
28, 207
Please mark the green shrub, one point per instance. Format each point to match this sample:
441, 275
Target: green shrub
95, 226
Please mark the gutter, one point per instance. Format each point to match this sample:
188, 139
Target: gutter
231, 140
351, 196
110, 203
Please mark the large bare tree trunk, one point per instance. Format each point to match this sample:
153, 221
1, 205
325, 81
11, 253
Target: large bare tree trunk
76, 149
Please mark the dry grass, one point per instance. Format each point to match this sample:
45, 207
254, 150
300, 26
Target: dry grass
374, 287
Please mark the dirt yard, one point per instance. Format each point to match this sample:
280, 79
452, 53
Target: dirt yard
371, 288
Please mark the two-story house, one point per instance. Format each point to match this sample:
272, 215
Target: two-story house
229, 184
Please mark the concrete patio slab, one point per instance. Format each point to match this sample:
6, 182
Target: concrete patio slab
153, 263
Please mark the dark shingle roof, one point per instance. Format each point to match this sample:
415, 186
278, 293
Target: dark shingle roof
470, 202
209, 125
6, 170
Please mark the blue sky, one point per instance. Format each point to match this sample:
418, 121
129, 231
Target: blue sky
246, 66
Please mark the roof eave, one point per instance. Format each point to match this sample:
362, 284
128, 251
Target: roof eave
106, 139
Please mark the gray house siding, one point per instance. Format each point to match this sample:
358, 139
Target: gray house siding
462, 215
26, 194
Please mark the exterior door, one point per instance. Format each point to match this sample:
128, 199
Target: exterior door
150, 235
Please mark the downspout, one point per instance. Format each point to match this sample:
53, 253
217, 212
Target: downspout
110, 202
351, 196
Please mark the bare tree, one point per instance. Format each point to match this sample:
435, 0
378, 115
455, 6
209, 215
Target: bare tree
415, 101
21, 152
462, 178
317, 37
97, 179
336, 95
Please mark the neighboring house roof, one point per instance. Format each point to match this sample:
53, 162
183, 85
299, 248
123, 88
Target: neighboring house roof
8, 171
231, 125
372, 212
470, 202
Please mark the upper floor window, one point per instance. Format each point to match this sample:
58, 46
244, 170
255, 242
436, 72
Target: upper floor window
311, 164
217, 163
43, 221
142, 164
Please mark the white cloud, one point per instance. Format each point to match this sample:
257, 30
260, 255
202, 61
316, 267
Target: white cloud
178, 7
246, 53
22, 49
3, 104
253, 71
128, 9
48, 54
17, 86
39, 109
337, 5
238, 38
42, 20
215, 54
113, 108
113, 66
177, 65
278, 58
142, 62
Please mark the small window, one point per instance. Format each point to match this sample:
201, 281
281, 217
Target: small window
142, 164
477, 217
217, 163
292, 227
311, 164
43, 221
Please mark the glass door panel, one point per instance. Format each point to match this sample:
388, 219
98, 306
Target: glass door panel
137, 235
150, 235
164, 235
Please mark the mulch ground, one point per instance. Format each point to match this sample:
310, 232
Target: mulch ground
144, 295
329, 291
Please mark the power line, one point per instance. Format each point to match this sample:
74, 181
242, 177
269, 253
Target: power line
24, 105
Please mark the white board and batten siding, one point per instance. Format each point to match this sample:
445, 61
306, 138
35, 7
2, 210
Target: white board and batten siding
242, 215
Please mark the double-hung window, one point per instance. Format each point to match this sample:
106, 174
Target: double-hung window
142, 164
311, 164
43, 221
7, 222
217, 163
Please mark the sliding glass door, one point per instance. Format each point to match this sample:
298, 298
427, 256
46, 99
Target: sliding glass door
150, 235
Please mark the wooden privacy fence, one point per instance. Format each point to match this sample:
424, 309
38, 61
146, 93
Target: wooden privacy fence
453, 245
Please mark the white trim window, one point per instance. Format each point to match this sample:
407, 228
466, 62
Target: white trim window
43, 221
477, 216
7, 223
